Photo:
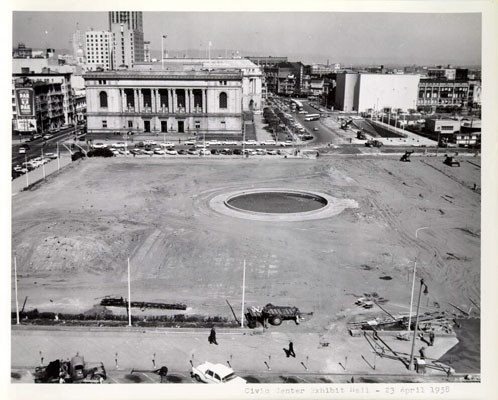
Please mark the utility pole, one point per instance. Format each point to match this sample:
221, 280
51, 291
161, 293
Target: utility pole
243, 294
129, 295
410, 365
15, 286
27, 170
58, 158
413, 282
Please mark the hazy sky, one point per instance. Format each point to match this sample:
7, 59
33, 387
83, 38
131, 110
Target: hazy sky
400, 38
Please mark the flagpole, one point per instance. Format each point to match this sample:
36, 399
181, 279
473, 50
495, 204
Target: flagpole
243, 294
15, 286
129, 295
209, 55
162, 51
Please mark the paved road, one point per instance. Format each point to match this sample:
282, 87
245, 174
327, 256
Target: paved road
36, 146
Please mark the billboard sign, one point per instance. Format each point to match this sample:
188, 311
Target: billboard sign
25, 102
26, 124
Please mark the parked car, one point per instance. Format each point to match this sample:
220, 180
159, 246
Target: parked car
182, 152
202, 145
193, 152
286, 143
269, 143
47, 136
271, 152
52, 156
99, 145
149, 143
159, 152
171, 152
204, 152
36, 136
237, 152
136, 151
215, 373
190, 143
227, 152
147, 152
167, 144
215, 152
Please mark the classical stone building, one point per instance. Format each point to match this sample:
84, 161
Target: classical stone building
181, 99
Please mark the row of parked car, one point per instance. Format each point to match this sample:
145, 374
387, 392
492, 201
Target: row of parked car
194, 143
34, 163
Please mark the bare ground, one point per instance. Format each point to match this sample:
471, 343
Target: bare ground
73, 235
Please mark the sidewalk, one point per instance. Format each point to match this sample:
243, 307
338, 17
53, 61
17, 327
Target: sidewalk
247, 351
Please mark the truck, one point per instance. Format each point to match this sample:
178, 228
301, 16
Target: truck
256, 316
75, 370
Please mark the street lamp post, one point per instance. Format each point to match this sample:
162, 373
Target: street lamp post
426, 291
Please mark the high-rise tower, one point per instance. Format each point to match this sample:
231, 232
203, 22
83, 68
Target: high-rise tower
127, 27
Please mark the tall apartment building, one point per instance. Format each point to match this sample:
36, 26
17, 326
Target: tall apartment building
127, 27
63, 79
99, 50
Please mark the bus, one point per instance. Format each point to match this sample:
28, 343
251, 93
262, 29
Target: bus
296, 105
312, 117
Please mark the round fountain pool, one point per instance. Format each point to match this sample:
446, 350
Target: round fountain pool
276, 202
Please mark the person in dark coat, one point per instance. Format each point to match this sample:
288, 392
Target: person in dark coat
290, 352
162, 372
422, 353
212, 336
432, 337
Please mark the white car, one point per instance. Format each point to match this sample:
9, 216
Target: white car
215, 373
251, 143
115, 152
148, 152
286, 143
269, 143
204, 152
230, 143
167, 144
271, 152
201, 145
52, 156
171, 152
214, 142
149, 143
99, 145
190, 143
159, 152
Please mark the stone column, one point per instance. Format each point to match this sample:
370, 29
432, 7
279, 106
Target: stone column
170, 101
158, 101
191, 97
203, 101
135, 99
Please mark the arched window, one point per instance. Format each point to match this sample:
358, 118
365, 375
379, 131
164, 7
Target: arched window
103, 99
223, 100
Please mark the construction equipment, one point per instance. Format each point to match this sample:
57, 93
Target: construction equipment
360, 135
451, 161
406, 157
345, 123
373, 143
74, 371
273, 314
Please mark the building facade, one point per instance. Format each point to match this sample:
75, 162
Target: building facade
127, 27
64, 79
165, 102
435, 93
99, 50
365, 92
37, 105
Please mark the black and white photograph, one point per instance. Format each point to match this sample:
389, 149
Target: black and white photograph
245, 197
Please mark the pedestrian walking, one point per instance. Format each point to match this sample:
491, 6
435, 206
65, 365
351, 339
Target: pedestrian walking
212, 337
432, 337
290, 351
422, 353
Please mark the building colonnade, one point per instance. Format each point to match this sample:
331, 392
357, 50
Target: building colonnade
164, 100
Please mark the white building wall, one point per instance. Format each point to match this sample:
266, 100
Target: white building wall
345, 91
378, 91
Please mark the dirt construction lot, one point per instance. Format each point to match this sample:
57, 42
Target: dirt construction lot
73, 235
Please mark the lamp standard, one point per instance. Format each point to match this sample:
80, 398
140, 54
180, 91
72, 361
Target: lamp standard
426, 291
413, 281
